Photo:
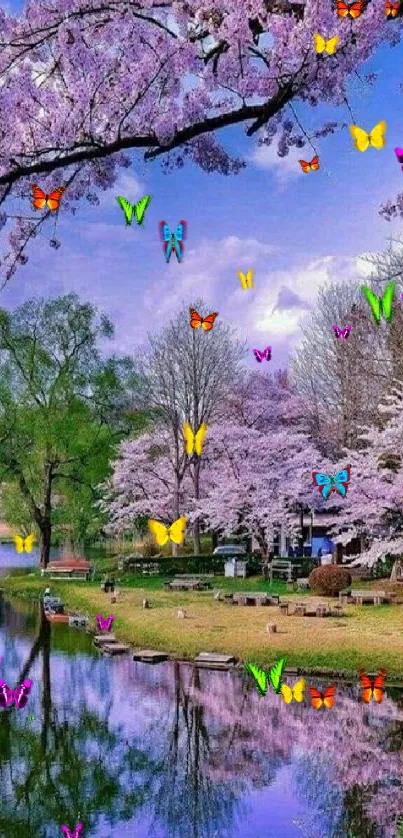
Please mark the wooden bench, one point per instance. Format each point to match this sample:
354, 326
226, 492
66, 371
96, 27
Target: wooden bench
282, 567
259, 598
187, 585
69, 573
362, 597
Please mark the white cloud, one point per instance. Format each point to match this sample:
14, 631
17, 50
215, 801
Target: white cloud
284, 168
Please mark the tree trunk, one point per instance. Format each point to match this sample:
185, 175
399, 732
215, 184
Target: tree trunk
46, 536
196, 524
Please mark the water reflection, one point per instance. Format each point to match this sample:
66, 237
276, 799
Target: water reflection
134, 750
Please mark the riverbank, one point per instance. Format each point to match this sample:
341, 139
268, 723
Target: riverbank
366, 637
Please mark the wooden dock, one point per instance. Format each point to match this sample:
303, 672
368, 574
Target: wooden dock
108, 637
149, 656
114, 648
211, 660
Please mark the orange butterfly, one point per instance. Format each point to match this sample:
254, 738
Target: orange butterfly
372, 688
325, 699
41, 200
312, 166
206, 323
352, 10
392, 9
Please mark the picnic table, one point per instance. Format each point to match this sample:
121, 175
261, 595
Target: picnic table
259, 598
186, 585
281, 567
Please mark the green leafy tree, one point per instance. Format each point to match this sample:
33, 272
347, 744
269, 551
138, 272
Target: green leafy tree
62, 409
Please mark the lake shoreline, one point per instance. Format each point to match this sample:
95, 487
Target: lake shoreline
369, 638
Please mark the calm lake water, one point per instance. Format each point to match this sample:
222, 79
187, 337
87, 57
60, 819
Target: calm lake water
136, 750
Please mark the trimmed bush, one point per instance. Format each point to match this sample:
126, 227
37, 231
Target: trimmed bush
329, 580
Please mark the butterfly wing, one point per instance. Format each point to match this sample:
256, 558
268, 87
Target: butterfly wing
316, 698
195, 319
101, 622
141, 207
299, 690
127, 208
178, 239
275, 674
341, 480
207, 323
6, 695
19, 543
361, 138
329, 696
331, 45
189, 438
242, 279
159, 531
260, 676
199, 438
345, 332
38, 196
323, 482
258, 355
29, 542
305, 166
53, 199
342, 9
378, 687
374, 302
355, 10
387, 301
267, 353
21, 694
337, 331
377, 135
75, 834
399, 155
314, 164
177, 530
286, 693
366, 687
320, 43
109, 621
167, 239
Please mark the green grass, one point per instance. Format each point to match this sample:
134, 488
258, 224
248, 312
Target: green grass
368, 636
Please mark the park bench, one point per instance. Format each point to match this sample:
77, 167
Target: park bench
186, 585
69, 573
283, 568
362, 597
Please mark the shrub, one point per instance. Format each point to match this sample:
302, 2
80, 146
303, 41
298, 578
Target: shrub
329, 580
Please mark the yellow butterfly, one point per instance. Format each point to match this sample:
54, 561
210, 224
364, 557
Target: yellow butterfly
194, 442
376, 137
22, 544
162, 534
246, 280
296, 692
321, 45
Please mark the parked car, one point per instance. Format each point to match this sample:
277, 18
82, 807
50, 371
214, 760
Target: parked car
230, 550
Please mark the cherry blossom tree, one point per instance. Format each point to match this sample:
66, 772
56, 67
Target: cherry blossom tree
84, 82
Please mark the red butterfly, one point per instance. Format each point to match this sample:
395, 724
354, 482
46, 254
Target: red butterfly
392, 9
352, 10
325, 699
372, 688
206, 323
309, 167
40, 199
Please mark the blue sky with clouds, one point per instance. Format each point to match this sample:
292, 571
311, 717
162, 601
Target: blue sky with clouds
295, 230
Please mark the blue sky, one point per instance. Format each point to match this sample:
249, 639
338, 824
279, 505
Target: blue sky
295, 230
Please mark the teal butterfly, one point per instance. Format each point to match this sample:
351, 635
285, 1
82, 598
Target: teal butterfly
383, 304
263, 679
326, 485
133, 209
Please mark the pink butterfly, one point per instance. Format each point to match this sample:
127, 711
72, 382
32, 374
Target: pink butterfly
399, 155
260, 356
75, 834
105, 625
19, 696
342, 333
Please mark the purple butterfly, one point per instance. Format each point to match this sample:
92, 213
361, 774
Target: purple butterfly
342, 333
399, 155
260, 356
75, 834
105, 625
19, 696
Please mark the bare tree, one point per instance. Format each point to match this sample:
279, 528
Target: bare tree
187, 376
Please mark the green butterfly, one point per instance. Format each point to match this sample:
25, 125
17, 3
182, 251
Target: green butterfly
377, 304
134, 209
262, 678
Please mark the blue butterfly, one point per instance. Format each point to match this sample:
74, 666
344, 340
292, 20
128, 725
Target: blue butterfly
338, 483
173, 241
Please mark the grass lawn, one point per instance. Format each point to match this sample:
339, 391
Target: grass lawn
368, 636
